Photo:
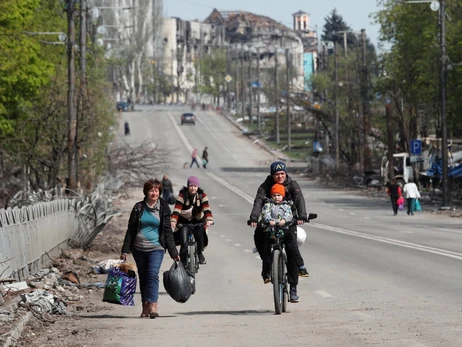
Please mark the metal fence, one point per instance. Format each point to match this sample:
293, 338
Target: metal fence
30, 234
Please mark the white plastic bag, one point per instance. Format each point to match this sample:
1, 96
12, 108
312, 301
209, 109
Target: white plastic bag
301, 236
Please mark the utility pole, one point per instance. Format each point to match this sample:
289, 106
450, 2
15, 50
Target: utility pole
242, 83
250, 88
288, 122
228, 71
71, 109
444, 130
276, 63
172, 84
337, 147
365, 102
389, 138
258, 91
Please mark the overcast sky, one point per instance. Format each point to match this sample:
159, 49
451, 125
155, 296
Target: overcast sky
354, 12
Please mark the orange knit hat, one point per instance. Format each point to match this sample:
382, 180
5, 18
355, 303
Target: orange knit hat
279, 189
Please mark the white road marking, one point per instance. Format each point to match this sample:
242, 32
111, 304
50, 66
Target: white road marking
433, 250
150, 137
247, 250
323, 294
237, 245
353, 214
229, 240
362, 314
222, 235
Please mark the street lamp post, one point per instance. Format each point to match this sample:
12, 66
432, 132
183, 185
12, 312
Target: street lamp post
444, 130
441, 6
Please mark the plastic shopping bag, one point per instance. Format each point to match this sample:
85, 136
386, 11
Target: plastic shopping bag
418, 207
120, 288
177, 282
400, 203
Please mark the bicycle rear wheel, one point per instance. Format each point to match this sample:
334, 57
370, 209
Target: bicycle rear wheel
276, 277
192, 267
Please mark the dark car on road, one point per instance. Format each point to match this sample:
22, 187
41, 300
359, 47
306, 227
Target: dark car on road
188, 118
124, 106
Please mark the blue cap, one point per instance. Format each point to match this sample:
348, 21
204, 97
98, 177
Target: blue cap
278, 166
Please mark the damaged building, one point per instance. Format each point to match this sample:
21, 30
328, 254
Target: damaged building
245, 36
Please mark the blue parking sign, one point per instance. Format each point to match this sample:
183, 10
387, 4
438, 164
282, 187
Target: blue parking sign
416, 147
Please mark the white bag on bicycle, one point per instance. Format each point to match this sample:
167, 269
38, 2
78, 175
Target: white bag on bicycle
301, 236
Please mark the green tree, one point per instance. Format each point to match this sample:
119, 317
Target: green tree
212, 69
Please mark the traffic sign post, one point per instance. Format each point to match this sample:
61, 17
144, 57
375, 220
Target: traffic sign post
416, 147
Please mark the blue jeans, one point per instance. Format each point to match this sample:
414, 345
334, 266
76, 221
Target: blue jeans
148, 264
166, 194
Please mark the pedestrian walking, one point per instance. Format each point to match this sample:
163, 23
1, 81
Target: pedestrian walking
148, 235
412, 193
394, 192
205, 158
167, 189
194, 158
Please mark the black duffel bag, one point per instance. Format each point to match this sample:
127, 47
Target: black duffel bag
177, 282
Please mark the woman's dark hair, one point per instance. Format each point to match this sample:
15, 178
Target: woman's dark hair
152, 183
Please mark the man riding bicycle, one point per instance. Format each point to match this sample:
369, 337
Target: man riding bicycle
191, 207
295, 264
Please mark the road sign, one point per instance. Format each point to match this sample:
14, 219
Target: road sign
228, 78
317, 147
435, 5
416, 147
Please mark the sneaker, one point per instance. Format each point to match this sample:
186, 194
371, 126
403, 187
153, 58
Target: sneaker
293, 295
202, 259
302, 272
266, 279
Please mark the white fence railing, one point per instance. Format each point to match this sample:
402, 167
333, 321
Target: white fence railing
30, 234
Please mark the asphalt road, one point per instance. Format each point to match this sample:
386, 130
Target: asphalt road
376, 279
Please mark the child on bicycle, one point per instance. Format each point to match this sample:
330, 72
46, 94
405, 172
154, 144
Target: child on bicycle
275, 211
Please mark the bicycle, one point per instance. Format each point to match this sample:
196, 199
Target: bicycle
192, 259
279, 263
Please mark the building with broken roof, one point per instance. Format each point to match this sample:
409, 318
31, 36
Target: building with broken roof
246, 36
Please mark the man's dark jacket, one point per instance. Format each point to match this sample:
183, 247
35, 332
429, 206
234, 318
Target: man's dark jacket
293, 192
165, 230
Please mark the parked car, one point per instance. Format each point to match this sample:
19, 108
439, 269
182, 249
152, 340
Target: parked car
124, 106
188, 118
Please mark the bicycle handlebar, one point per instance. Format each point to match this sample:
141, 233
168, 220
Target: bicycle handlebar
293, 222
192, 225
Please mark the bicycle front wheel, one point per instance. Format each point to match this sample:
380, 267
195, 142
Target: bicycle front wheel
285, 287
277, 277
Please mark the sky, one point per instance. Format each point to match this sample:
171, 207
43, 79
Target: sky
354, 12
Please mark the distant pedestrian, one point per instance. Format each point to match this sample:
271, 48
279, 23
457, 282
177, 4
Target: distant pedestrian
127, 128
205, 158
394, 192
167, 188
412, 193
194, 158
